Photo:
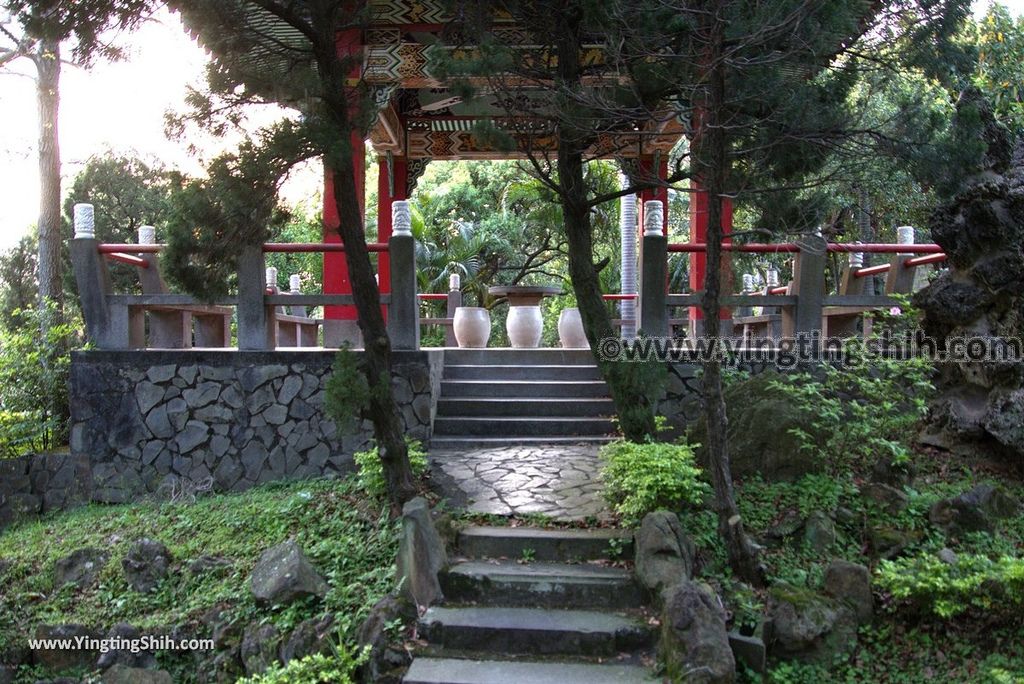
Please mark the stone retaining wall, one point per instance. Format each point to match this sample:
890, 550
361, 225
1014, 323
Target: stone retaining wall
226, 420
34, 484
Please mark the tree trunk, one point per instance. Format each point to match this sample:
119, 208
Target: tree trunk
383, 411
47, 60
631, 389
712, 153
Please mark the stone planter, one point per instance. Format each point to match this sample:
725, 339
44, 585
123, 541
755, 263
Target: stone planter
472, 326
570, 329
524, 326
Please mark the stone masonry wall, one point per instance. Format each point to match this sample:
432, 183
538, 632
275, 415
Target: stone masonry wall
227, 420
34, 484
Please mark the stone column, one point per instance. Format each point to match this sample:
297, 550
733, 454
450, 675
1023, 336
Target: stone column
403, 312
653, 273
255, 321
627, 236
107, 329
454, 302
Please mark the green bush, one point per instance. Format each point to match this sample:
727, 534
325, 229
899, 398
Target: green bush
371, 470
34, 368
640, 478
948, 589
314, 669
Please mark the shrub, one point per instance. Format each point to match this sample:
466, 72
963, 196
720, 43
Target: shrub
34, 369
640, 478
314, 669
948, 589
371, 470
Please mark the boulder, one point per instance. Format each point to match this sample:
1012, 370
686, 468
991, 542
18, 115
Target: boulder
750, 651
819, 531
973, 511
664, 553
80, 568
886, 497
283, 574
762, 423
850, 584
125, 657
309, 637
59, 659
808, 627
694, 640
421, 554
888, 542
893, 474
259, 647
789, 524
205, 564
146, 564
122, 674
382, 659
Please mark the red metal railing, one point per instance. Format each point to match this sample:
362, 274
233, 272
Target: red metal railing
792, 247
275, 247
128, 259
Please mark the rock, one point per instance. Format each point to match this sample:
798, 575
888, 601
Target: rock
948, 556
81, 567
762, 422
889, 499
259, 647
819, 531
421, 554
372, 633
750, 651
884, 471
844, 516
283, 574
788, 525
889, 542
65, 658
850, 584
224, 628
807, 626
309, 637
125, 657
974, 511
694, 640
146, 564
121, 674
664, 553
205, 564
148, 395
161, 373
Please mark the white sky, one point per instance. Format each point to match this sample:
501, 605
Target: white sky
121, 107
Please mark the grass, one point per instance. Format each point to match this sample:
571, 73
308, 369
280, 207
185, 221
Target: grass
351, 542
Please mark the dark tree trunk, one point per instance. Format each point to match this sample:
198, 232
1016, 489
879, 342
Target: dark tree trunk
714, 161
384, 413
47, 60
629, 389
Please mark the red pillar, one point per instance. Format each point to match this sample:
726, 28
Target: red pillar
336, 278
385, 198
699, 205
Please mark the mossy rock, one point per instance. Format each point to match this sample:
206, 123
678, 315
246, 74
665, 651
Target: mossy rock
760, 432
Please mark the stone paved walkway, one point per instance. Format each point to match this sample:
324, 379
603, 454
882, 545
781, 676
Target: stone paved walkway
558, 481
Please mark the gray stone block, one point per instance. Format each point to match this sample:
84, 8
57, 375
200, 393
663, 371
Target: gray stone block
161, 373
148, 395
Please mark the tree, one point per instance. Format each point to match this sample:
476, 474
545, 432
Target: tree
18, 290
251, 58
42, 31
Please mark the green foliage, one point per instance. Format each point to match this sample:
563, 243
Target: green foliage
371, 469
948, 589
19, 290
315, 669
347, 392
350, 540
1000, 72
640, 478
34, 367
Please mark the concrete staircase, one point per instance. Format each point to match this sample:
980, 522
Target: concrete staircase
504, 397
551, 619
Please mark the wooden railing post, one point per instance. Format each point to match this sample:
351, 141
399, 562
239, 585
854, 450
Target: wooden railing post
808, 286
403, 312
255, 322
108, 328
654, 274
454, 302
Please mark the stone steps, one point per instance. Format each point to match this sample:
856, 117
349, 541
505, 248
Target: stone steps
548, 585
490, 371
456, 443
505, 357
519, 426
592, 407
534, 631
540, 622
546, 545
456, 671
527, 389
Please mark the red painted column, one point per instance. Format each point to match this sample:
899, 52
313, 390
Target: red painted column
699, 205
385, 198
336, 278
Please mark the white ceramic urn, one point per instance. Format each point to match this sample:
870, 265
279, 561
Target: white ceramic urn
524, 326
472, 326
570, 329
